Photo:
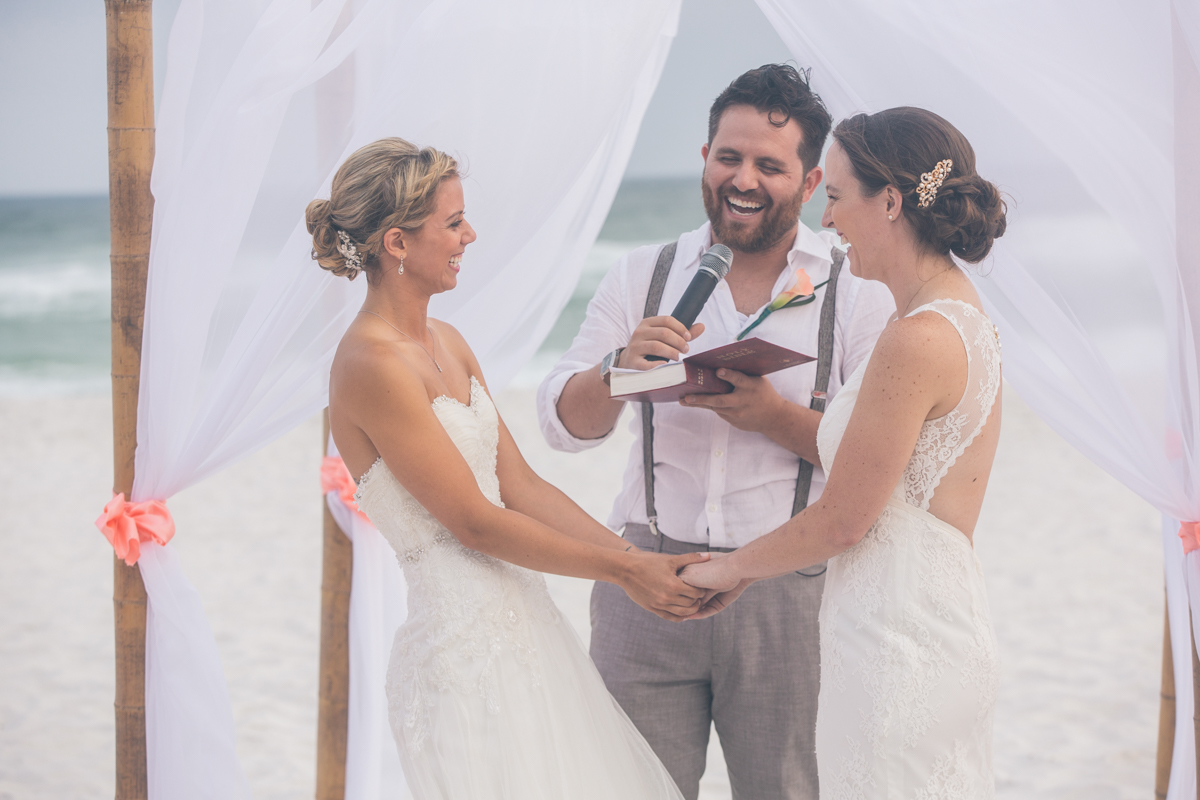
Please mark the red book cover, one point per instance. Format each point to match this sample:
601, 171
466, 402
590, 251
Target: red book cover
752, 356
699, 372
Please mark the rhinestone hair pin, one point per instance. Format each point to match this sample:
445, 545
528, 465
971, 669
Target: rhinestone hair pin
349, 251
931, 182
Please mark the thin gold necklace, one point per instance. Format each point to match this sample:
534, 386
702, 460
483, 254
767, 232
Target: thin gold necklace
922, 287
411, 339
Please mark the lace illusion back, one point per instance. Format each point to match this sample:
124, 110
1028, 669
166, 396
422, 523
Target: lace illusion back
944, 439
908, 655
491, 695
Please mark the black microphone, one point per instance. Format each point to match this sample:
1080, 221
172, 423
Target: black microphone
714, 266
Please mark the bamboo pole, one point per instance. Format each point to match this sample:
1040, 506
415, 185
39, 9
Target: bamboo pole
130, 158
1166, 716
334, 104
334, 692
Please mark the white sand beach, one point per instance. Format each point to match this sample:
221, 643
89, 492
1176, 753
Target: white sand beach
1073, 562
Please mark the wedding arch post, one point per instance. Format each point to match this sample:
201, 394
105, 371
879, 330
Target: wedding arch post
131, 206
334, 104
333, 704
1166, 717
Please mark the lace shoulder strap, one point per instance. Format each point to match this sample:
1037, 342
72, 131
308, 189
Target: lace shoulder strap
944, 439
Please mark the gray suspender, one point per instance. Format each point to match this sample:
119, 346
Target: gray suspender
657, 283
824, 366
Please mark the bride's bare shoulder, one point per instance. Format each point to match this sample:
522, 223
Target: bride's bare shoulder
452, 340
365, 365
923, 348
450, 337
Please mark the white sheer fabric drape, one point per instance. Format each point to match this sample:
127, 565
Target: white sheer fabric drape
377, 609
540, 100
1087, 117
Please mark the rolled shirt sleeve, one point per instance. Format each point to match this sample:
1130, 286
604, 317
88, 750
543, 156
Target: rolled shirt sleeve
609, 324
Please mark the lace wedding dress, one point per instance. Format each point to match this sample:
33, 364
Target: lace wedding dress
490, 692
908, 657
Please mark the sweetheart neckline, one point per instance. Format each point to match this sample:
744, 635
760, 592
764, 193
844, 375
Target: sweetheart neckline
476, 391
472, 397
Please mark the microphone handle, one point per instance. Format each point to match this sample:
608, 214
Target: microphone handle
693, 299
695, 296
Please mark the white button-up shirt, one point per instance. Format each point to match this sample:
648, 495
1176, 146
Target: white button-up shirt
715, 484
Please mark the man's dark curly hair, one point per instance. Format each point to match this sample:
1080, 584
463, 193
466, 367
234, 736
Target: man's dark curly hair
782, 93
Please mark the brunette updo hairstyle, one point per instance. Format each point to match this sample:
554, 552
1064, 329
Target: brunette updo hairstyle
894, 147
387, 184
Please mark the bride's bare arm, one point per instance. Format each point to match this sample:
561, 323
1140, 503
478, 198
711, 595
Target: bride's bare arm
524, 490
387, 399
918, 371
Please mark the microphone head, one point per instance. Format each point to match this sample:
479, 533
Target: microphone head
717, 260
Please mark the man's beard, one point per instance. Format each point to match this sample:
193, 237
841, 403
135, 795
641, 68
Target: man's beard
777, 222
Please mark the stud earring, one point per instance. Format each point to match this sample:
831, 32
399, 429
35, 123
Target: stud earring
890, 216
400, 271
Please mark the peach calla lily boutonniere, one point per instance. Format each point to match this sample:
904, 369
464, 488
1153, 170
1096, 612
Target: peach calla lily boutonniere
802, 292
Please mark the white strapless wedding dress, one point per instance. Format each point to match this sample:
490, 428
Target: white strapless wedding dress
491, 694
908, 656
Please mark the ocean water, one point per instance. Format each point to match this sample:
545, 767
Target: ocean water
54, 281
54, 295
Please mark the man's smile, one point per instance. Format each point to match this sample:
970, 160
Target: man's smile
743, 208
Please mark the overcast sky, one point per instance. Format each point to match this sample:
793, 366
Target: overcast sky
53, 139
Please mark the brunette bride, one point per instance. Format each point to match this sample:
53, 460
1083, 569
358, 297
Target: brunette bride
491, 694
908, 662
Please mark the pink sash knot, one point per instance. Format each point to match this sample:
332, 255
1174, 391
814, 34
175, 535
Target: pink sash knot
335, 477
127, 525
1188, 532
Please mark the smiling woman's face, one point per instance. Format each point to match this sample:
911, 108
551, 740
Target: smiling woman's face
857, 219
434, 251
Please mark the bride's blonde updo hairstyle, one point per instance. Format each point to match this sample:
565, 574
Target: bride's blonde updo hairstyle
897, 147
386, 184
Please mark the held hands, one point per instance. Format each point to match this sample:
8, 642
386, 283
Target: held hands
721, 585
752, 406
653, 583
658, 336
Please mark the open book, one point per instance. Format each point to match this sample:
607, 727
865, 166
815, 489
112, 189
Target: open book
698, 374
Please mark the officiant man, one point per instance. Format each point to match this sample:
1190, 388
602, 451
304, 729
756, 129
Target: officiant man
729, 468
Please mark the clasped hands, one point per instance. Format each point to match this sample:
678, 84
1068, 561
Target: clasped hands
688, 586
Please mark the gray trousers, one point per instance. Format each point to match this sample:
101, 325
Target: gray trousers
753, 669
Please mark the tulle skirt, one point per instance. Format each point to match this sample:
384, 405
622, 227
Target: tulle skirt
494, 720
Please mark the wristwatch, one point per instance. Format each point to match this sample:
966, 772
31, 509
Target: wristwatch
608, 362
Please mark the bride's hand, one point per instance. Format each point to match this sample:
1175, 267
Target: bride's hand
713, 574
719, 601
653, 583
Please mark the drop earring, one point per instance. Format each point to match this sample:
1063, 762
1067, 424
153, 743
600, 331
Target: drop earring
400, 271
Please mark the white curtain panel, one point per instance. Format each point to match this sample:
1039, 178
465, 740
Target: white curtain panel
539, 99
377, 608
1087, 118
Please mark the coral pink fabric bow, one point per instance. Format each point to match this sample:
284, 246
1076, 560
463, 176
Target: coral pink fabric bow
336, 478
1188, 532
127, 525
